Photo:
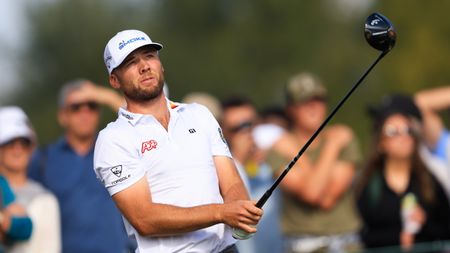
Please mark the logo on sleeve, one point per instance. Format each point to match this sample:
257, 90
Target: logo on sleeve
221, 135
117, 170
148, 145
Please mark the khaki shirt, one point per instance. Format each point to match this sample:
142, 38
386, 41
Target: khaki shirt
298, 217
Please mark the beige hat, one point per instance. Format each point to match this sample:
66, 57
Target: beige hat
303, 87
14, 124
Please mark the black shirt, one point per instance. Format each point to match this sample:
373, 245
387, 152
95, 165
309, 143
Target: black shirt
380, 209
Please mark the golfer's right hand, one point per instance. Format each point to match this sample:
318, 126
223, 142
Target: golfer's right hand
242, 214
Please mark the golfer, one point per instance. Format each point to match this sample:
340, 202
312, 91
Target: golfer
166, 165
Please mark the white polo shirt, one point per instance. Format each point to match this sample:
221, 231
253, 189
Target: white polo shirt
178, 165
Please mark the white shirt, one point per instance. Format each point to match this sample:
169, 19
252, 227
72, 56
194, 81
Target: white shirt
178, 165
43, 209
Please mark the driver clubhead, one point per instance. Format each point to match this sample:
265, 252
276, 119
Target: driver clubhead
380, 32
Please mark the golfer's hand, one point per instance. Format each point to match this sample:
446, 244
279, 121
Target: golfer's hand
242, 214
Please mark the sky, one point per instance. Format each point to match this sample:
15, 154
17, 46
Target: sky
13, 28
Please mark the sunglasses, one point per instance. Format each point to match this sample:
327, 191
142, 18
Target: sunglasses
76, 107
242, 126
392, 131
22, 141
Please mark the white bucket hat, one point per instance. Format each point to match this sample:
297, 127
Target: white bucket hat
14, 124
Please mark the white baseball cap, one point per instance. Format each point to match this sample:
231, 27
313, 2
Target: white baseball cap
122, 44
14, 124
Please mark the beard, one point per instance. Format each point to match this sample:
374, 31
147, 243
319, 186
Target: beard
143, 95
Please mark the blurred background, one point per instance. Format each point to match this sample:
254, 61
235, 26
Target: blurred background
223, 47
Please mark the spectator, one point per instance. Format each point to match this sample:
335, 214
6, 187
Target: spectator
207, 100
318, 213
399, 200
275, 115
272, 134
15, 225
436, 135
90, 221
238, 119
240, 126
40, 204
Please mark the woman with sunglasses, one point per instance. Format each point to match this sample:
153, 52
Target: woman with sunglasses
400, 202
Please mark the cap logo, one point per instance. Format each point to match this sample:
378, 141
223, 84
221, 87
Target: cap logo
108, 61
122, 44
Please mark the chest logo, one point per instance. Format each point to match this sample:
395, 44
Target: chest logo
148, 145
192, 130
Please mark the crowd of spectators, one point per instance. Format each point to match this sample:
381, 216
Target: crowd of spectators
335, 199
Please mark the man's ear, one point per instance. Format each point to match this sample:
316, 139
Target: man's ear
114, 81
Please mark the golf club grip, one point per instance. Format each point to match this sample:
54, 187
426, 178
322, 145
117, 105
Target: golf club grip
267, 194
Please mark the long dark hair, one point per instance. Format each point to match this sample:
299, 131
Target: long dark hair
377, 161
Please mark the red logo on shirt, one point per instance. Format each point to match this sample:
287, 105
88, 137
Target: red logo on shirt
148, 145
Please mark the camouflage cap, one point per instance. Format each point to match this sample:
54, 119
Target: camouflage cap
304, 86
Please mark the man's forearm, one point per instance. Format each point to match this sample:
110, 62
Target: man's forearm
436, 99
320, 175
430, 103
236, 192
165, 220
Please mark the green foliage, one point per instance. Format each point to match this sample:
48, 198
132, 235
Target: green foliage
244, 47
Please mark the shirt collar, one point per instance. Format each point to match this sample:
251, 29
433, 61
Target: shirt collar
134, 118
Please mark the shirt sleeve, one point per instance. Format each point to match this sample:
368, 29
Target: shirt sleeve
219, 146
7, 194
116, 161
20, 228
442, 145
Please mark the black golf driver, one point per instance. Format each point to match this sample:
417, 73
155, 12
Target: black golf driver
380, 34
